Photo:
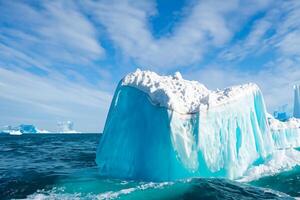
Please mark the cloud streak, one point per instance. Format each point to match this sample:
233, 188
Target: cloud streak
57, 58
206, 26
277, 32
56, 31
276, 81
52, 99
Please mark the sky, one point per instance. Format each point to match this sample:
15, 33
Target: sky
61, 60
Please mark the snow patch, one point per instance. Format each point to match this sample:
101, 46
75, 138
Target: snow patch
181, 95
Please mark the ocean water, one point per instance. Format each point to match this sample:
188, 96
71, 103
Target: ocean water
62, 166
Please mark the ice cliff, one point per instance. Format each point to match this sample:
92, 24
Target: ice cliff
166, 128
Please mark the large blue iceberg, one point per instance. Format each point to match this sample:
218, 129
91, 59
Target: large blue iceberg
159, 128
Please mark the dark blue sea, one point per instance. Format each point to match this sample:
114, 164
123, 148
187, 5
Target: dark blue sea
62, 166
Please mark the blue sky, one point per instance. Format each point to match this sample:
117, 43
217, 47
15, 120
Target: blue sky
61, 60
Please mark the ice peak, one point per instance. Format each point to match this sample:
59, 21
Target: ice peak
296, 101
177, 76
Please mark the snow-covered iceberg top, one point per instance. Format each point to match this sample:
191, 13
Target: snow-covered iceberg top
182, 95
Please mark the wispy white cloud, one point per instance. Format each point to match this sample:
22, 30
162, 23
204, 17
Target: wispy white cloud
290, 45
277, 31
56, 31
253, 43
62, 37
275, 80
51, 99
207, 25
56, 37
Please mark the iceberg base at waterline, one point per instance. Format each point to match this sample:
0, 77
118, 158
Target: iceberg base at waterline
164, 128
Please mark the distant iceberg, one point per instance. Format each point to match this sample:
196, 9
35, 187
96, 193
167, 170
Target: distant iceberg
22, 129
282, 113
27, 128
297, 101
63, 127
166, 128
66, 127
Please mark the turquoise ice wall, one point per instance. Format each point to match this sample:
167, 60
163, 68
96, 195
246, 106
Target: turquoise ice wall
136, 140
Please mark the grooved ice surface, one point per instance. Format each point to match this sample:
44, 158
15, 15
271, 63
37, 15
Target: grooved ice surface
165, 128
285, 134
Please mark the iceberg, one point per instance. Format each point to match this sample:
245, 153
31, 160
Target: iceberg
66, 127
282, 113
297, 101
22, 129
165, 128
